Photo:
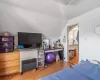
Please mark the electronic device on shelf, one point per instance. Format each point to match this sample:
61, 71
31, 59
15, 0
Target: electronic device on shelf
29, 64
6, 44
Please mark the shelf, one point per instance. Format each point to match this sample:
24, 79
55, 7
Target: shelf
41, 61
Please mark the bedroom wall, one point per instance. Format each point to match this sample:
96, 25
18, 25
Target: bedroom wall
89, 42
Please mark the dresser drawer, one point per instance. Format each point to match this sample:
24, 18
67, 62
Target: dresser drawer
11, 70
9, 56
9, 64
6, 38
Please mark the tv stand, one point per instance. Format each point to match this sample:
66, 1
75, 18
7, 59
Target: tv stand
26, 55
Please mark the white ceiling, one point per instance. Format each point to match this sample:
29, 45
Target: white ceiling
78, 7
45, 16
47, 7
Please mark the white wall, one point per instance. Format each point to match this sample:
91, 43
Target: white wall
64, 33
89, 42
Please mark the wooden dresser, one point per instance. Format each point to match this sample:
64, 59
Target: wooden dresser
9, 63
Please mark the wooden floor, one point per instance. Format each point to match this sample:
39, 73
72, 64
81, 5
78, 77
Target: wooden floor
35, 75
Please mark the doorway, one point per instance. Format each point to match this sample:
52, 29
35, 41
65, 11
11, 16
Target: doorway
73, 43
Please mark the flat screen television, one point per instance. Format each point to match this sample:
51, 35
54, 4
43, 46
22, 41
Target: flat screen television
28, 40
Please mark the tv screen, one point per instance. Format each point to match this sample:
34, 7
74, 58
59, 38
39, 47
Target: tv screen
29, 38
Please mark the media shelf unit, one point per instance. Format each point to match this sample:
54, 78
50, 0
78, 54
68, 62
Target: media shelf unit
41, 59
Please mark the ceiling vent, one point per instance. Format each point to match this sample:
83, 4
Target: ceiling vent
65, 2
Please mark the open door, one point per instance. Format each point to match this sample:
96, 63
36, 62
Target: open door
73, 43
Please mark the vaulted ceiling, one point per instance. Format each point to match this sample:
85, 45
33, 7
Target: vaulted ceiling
44, 16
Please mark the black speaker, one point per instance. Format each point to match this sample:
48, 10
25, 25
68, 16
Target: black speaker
29, 64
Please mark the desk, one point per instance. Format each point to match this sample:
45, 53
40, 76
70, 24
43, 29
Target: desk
41, 60
55, 51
